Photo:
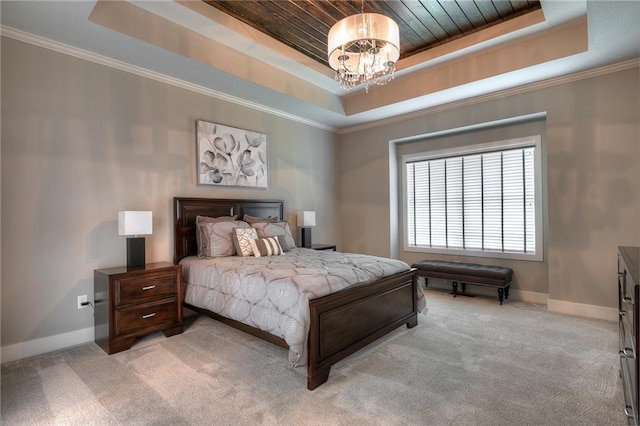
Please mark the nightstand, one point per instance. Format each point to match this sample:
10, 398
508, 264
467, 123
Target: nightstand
323, 247
130, 303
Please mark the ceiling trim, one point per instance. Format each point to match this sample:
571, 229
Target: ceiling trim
45, 43
240, 32
140, 24
567, 39
556, 81
75, 52
155, 23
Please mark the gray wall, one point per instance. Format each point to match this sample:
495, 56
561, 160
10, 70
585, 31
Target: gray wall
81, 141
592, 168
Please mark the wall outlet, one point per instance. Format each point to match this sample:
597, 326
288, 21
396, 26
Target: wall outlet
82, 299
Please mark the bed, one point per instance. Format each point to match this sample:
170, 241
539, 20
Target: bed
340, 323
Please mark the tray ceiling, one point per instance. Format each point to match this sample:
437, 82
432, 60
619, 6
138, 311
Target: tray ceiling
193, 45
304, 24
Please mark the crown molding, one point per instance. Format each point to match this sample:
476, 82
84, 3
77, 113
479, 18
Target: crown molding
45, 43
75, 52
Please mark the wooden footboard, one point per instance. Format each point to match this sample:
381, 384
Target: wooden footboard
344, 322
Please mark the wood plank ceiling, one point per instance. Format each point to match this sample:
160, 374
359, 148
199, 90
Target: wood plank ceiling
304, 24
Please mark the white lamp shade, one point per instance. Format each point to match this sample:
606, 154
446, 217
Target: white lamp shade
306, 218
134, 223
364, 26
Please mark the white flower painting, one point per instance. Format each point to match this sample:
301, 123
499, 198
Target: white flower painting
230, 157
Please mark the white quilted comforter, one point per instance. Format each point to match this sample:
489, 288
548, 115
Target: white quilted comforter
273, 293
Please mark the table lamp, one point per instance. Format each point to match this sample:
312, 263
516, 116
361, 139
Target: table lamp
306, 219
135, 223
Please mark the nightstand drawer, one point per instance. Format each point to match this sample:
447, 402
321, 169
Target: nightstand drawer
144, 288
139, 317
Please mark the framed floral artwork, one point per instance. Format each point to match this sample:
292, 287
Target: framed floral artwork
228, 156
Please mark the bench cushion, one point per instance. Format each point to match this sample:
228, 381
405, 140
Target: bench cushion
464, 272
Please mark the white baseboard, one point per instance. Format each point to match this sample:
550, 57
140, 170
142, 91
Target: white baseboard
46, 344
559, 306
582, 310
514, 294
529, 296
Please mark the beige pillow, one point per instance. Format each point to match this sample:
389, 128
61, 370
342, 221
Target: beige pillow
202, 237
220, 235
276, 229
255, 219
242, 240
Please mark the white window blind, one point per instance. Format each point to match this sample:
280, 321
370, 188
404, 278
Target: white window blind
480, 202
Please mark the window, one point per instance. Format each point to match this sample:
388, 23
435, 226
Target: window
480, 201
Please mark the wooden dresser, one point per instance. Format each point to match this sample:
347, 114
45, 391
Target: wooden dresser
130, 303
629, 310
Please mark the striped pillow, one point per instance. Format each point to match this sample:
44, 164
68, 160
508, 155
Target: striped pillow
266, 247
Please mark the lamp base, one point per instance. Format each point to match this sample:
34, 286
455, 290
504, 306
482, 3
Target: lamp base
135, 252
305, 237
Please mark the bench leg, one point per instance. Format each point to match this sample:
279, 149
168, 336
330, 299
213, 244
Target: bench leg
464, 287
426, 282
506, 292
501, 295
455, 288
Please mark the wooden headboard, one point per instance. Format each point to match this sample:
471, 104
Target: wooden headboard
185, 211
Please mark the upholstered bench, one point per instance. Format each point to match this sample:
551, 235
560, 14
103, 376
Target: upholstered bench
466, 273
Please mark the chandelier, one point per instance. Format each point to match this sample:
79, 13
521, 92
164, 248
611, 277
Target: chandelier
364, 49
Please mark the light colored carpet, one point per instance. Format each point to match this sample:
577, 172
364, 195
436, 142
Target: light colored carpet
470, 361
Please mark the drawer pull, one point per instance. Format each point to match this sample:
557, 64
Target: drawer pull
628, 300
148, 315
628, 352
623, 312
628, 411
621, 274
149, 287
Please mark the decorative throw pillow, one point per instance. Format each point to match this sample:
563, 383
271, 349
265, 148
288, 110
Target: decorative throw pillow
275, 229
266, 247
283, 242
220, 235
255, 219
242, 240
202, 238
